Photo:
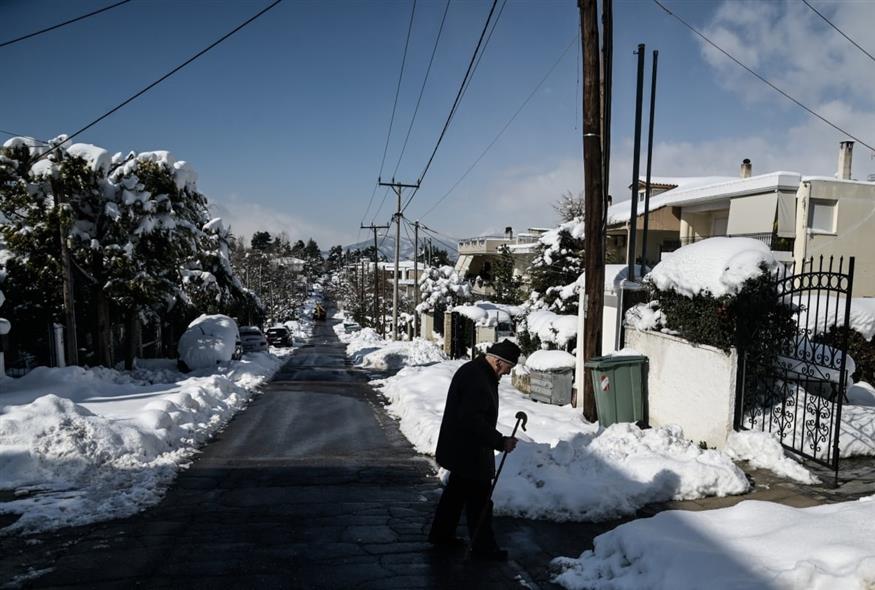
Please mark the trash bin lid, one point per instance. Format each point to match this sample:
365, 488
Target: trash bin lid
600, 362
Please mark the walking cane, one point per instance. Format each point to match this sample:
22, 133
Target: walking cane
520, 417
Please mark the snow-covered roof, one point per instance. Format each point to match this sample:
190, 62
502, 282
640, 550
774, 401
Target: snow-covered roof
834, 179
702, 193
683, 182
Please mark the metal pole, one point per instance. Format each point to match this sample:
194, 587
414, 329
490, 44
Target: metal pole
636, 157
649, 158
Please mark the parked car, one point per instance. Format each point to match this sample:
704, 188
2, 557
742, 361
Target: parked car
279, 336
209, 340
253, 340
351, 326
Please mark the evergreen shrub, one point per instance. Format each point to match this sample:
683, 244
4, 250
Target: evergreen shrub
754, 320
860, 349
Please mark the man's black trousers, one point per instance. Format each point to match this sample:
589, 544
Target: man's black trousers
472, 495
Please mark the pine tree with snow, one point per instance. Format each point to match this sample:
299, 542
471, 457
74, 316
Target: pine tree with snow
557, 267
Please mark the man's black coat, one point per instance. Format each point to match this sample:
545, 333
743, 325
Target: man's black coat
468, 437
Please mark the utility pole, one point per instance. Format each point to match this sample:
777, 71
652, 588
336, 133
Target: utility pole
71, 344
649, 158
397, 187
593, 131
415, 278
362, 291
376, 306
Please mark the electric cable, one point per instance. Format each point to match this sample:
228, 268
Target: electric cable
760, 77
840, 32
503, 129
485, 46
59, 25
165, 76
397, 88
455, 103
11, 134
422, 89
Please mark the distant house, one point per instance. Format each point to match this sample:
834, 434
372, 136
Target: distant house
477, 256
289, 263
796, 216
408, 281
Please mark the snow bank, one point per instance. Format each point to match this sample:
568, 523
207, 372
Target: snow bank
208, 340
84, 445
565, 468
368, 350
750, 545
764, 451
550, 360
718, 266
820, 316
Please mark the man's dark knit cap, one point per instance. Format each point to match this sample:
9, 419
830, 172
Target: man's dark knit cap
506, 351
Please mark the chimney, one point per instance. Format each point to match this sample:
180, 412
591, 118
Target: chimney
745, 168
508, 232
846, 151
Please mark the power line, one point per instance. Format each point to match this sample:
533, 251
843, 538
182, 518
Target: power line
383, 200
11, 134
761, 78
455, 102
503, 129
840, 32
398, 87
422, 89
485, 45
167, 75
59, 25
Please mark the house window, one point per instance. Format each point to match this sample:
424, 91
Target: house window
822, 216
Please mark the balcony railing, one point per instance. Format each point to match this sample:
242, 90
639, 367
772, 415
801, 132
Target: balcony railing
774, 242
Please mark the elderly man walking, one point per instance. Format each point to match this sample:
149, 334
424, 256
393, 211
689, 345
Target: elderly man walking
466, 448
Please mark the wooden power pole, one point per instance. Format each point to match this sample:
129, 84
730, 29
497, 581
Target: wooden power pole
415, 278
376, 305
594, 265
71, 345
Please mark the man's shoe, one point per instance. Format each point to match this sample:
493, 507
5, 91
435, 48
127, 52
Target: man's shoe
489, 555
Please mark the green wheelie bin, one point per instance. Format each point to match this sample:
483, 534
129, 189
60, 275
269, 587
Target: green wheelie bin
620, 385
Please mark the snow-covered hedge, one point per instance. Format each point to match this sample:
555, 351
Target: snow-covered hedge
718, 292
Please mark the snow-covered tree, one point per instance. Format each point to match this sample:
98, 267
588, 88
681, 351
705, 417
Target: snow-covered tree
442, 288
137, 230
557, 267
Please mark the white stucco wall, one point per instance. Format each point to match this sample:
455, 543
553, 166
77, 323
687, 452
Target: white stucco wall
689, 385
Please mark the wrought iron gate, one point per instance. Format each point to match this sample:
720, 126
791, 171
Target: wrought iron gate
798, 395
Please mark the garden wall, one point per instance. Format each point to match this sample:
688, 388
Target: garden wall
690, 385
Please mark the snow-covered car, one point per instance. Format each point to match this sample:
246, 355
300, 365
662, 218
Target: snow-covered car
350, 327
209, 340
252, 339
279, 336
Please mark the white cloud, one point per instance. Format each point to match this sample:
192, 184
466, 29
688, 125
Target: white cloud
795, 49
246, 217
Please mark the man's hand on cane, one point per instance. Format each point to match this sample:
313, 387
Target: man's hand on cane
509, 443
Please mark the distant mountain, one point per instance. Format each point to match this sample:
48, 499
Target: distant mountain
387, 247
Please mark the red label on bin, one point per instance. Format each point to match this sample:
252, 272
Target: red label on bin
606, 383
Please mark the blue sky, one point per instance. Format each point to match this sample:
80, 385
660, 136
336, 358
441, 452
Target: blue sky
286, 121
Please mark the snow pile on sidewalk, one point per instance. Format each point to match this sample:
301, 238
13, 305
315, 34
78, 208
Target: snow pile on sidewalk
565, 468
84, 445
368, 350
764, 451
750, 545
718, 266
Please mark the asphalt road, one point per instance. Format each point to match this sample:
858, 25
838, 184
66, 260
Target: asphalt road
312, 486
